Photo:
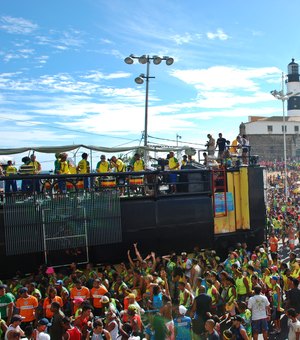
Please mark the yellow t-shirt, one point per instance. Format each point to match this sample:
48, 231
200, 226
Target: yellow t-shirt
10, 170
36, 165
64, 168
103, 167
83, 167
120, 165
138, 165
233, 147
173, 163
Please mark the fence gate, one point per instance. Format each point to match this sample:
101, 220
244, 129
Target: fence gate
64, 231
62, 227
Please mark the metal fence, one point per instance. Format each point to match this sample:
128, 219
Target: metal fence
41, 223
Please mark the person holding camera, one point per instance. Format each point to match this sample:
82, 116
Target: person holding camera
210, 145
119, 166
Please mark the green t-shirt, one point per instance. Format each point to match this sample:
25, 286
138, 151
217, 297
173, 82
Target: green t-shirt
4, 301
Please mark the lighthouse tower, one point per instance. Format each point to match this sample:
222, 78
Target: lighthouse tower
293, 85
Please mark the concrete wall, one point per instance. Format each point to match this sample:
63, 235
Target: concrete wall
270, 147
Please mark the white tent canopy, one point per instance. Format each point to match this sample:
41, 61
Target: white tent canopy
64, 148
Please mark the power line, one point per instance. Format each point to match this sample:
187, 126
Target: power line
173, 140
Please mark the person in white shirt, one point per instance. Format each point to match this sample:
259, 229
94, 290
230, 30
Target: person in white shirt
260, 309
293, 325
40, 331
14, 326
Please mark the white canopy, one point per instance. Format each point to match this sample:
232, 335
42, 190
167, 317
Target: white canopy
64, 148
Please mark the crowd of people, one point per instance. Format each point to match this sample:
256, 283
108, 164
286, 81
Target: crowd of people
63, 166
177, 296
277, 165
228, 154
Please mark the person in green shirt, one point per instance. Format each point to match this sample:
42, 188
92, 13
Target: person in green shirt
6, 304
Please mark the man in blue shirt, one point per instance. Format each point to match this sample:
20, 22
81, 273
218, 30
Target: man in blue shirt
183, 325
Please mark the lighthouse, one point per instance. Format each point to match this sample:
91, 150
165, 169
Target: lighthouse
293, 85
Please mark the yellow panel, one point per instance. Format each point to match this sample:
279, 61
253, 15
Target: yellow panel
237, 200
244, 198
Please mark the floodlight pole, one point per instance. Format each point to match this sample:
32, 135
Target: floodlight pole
146, 104
284, 138
145, 59
283, 97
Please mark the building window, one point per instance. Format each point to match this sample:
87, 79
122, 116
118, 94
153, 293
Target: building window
270, 128
282, 128
296, 128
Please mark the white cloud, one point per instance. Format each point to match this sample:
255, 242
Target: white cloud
185, 38
42, 59
224, 77
97, 75
105, 41
218, 35
18, 54
62, 40
182, 39
17, 25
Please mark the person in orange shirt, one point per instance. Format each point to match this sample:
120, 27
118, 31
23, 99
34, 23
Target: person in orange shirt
273, 241
26, 305
79, 291
52, 296
97, 292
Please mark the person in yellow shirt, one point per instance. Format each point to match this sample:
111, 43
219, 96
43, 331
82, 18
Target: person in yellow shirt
103, 165
119, 166
184, 161
36, 169
137, 164
10, 183
63, 169
83, 167
234, 146
173, 165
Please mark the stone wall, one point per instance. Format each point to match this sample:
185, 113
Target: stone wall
270, 147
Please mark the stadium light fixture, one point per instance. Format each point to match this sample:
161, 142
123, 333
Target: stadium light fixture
146, 59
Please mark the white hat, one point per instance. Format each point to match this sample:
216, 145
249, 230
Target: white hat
182, 310
261, 250
104, 299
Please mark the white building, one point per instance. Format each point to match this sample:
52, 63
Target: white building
266, 133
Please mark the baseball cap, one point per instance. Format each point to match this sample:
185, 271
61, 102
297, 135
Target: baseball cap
44, 322
50, 270
274, 277
3, 286
59, 282
16, 317
182, 310
104, 299
23, 290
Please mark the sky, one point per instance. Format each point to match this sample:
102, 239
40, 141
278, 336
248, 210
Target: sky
63, 79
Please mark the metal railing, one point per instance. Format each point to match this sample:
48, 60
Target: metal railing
128, 184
